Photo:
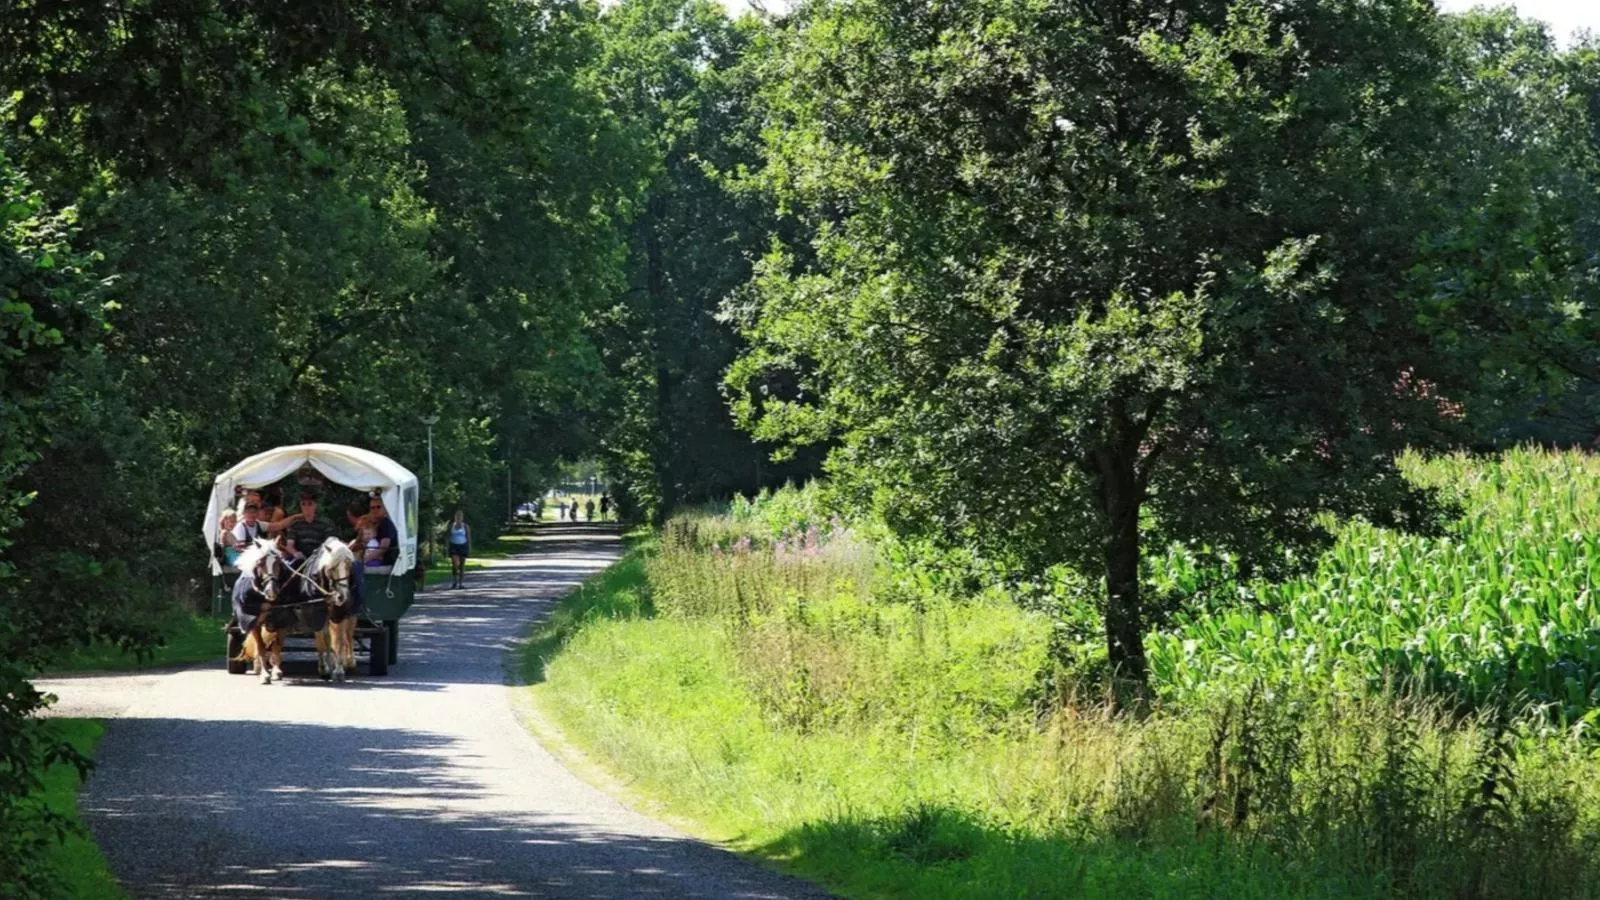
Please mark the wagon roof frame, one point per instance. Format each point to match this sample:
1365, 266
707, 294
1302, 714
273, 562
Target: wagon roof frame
353, 467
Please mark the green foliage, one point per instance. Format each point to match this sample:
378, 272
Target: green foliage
49, 312
252, 224
897, 747
180, 637
1496, 611
1075, 283
670, 70
1512, 282
617, 594
322, 239
77, 862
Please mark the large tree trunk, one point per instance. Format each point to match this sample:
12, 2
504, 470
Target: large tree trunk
1121, 497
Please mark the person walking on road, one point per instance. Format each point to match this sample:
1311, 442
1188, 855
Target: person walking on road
460, 540
588, 509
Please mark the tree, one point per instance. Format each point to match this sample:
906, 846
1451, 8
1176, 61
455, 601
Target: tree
49, 316
1089, 278
326, 221
672, 72
1510, 269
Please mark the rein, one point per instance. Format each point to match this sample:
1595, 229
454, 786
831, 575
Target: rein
326, 594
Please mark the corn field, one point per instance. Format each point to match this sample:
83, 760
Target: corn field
1501, 610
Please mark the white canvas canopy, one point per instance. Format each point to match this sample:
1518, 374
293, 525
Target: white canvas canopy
349, 466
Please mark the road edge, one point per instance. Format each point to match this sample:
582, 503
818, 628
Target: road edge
529, 713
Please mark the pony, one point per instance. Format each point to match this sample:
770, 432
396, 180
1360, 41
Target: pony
256, 596
331, 569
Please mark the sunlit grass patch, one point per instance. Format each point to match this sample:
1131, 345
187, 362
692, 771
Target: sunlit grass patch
76, 861
187, 638
801, 701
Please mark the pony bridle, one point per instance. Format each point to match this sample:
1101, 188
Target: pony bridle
341, 589
266, 576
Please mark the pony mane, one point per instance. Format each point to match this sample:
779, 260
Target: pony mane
250, 558
334, 552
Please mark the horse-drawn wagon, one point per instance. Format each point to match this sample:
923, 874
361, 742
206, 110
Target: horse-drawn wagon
389, 589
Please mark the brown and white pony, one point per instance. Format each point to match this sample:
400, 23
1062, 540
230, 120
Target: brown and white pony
330, 570
263, 644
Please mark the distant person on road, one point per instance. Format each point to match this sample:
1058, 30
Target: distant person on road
588, 509
460, 539
605, 507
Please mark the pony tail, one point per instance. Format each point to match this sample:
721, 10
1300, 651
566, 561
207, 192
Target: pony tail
251, 650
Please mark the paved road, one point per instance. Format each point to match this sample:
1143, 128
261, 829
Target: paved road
420, 784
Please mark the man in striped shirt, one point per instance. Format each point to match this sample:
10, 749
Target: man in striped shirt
306, 532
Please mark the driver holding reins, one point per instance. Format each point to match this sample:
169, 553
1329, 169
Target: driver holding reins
306, 533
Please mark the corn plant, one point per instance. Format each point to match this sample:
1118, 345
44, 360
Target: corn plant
1500, 610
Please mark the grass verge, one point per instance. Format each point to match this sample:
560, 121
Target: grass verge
895, 797
77, 861
656, 703
187, 638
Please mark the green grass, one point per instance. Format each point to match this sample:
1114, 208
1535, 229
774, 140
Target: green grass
824, 712
77, 861
869, 814
187, 638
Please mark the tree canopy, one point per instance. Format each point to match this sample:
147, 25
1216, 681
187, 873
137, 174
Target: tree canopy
1086, 280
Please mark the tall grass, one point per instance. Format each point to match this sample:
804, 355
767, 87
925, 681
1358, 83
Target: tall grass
74, 865
784, 687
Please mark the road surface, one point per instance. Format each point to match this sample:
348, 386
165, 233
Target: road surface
418, 784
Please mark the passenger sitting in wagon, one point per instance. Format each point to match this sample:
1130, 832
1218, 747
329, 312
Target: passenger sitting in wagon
387, 543
307, 532
227, 546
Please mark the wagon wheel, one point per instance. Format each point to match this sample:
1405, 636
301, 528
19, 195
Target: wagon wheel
235, 647
378, 652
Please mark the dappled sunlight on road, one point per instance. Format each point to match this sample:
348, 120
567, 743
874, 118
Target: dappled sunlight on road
421, 783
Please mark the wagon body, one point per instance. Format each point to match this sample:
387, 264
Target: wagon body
389, 590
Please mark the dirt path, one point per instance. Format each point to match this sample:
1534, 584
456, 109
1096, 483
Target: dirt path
418, 784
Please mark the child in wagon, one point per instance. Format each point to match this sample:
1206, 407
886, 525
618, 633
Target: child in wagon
367, 537
227, 542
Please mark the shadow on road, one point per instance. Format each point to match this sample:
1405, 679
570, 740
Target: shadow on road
374, 813
214, 786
